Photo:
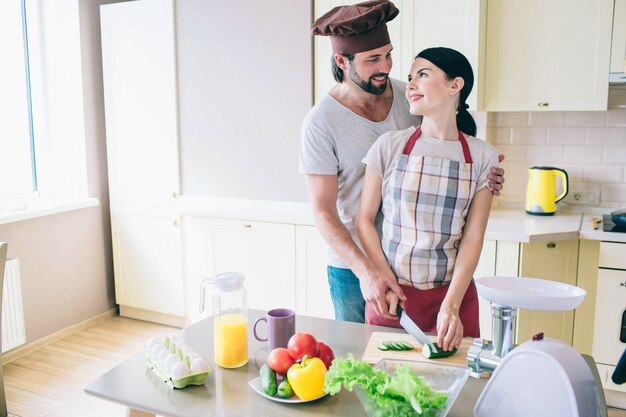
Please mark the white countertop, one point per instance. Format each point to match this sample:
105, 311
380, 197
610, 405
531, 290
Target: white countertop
506, 223
515, 225
587, 232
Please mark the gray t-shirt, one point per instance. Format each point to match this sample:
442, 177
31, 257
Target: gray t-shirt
334, 140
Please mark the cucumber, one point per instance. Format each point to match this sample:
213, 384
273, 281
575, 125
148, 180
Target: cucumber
429, 354
268, 380
393, 345
284, 389
407, 345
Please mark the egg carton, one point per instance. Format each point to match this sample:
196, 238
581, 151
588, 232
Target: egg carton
175, 363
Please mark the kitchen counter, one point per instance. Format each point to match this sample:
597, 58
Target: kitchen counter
587, 232
506, 222
226, 391
515, 225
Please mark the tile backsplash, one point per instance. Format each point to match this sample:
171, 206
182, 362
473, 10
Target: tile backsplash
590, 146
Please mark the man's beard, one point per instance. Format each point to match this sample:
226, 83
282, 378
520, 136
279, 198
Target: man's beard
367, 85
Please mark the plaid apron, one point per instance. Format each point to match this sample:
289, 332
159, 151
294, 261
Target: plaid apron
424, 220
422, 228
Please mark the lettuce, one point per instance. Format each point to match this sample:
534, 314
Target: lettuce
401, 395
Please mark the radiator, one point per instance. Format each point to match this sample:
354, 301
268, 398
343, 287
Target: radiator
13, 331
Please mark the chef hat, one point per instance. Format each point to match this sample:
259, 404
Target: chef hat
357, 28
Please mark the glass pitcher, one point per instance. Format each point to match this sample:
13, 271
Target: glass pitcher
230, 319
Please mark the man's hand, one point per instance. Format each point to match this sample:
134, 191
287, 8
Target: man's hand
374, 286
496, 178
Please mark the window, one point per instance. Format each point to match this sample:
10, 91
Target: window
42, 130
16, 147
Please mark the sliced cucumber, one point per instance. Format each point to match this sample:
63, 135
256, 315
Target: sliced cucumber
407, 345
395, 345
429, 354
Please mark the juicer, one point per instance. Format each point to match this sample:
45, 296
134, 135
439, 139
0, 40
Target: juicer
541, 377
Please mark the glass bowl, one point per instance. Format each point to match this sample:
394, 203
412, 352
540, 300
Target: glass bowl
448, 379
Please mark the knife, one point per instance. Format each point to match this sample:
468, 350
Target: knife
409, 325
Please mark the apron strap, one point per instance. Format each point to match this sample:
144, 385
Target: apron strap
408, 148
466, 152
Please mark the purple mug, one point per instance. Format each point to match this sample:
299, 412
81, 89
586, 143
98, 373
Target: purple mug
281, 325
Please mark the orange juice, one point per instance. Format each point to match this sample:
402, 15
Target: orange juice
231, 340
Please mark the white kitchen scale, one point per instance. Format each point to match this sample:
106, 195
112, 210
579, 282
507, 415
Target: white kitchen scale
540, 377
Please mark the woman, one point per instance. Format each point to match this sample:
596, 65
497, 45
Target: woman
432, 181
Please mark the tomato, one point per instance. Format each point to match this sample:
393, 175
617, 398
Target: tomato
280, 360
302, 344
325, 354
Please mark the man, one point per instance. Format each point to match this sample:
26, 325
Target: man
336, 135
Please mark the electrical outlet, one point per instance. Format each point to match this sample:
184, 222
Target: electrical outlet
583, 197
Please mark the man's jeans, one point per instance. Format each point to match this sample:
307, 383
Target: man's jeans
346, 295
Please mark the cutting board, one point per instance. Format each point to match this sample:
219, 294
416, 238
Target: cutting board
373, 354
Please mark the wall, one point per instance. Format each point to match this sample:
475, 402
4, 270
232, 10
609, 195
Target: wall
244, 76
65, 259
590, 146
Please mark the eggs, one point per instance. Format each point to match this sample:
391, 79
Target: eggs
180, 370
171, 358
198, 365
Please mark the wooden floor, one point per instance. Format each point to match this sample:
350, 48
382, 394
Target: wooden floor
49, 381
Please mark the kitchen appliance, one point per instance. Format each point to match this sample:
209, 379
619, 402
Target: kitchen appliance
609, 226
548, 377
541, 195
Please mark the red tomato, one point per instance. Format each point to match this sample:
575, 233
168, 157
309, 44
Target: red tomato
302, 344
280, 360
325, 354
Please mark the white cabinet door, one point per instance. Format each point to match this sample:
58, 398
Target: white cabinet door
610, 302
312, 289
264, 253
139, 68
454, 24
147, 259
486, 268
539, 58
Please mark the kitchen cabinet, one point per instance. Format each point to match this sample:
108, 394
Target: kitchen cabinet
525, 55
609, 336
418, 26
284, 264
264, 252
312, 288
546, 260
139, 68
539, 59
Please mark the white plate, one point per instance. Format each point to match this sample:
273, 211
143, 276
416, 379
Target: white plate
256, 385
530, 293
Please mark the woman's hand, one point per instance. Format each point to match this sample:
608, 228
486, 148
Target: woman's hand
449, 328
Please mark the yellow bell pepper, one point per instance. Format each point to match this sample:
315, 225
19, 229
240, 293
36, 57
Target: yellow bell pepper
307, 378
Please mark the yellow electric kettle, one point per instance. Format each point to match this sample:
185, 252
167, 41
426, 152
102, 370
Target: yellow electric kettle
541, 196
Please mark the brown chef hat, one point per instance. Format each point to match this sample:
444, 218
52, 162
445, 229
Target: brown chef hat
357, 28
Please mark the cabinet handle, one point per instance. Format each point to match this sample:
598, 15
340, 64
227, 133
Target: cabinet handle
247, 226
543, 104
551, 245
622, 284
